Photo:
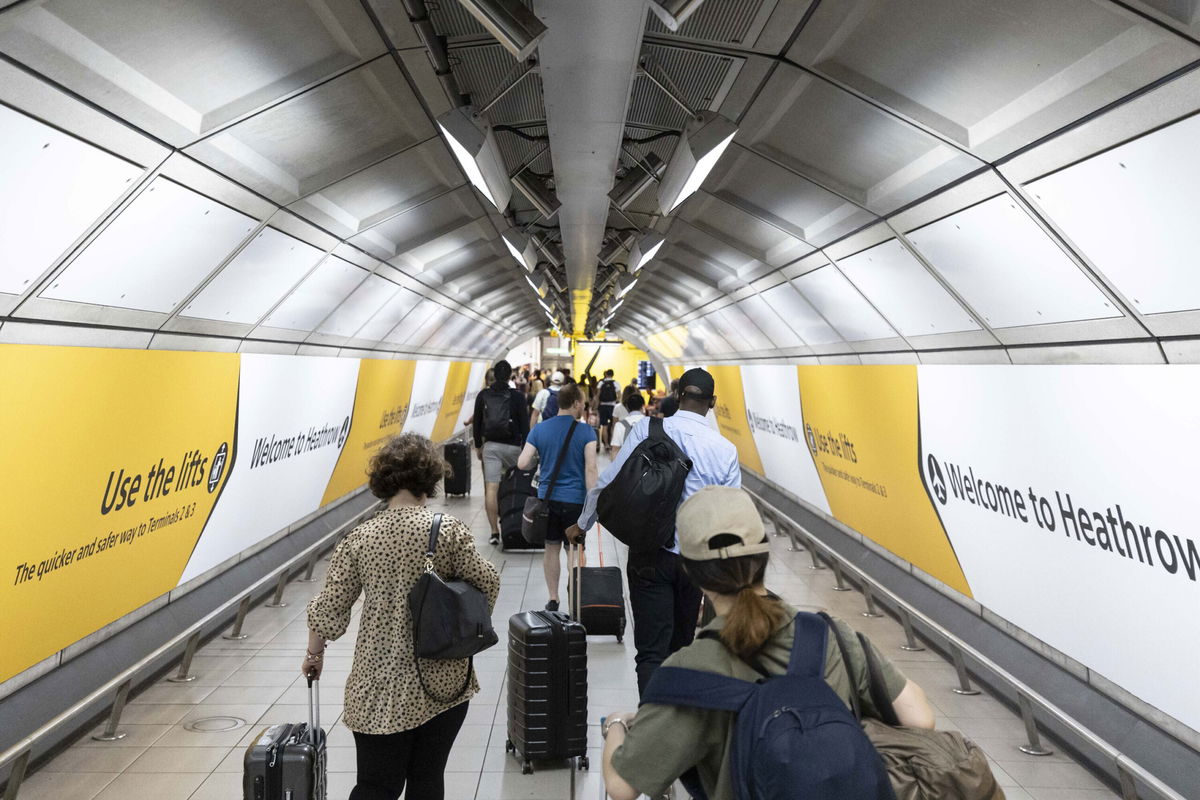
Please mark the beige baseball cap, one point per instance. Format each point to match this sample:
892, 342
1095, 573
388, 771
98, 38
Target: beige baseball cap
720, 510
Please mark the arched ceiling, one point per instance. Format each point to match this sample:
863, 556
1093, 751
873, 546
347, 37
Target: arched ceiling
930, 179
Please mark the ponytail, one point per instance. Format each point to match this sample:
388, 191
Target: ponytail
754, 617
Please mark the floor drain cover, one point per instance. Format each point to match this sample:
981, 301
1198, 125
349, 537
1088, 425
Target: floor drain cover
207, 724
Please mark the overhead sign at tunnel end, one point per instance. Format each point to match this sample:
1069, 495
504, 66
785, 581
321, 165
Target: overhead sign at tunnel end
113, 461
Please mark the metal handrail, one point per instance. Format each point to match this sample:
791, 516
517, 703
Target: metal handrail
20, 752
1127, 769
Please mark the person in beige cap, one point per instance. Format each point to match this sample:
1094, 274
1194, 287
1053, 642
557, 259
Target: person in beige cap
725, 552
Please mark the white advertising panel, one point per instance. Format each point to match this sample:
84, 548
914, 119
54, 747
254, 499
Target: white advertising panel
429, 385
293, 419
773, 412
474, 384
1068, 494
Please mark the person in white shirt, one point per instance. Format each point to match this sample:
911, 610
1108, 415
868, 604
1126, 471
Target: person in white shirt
633, 414
543, 398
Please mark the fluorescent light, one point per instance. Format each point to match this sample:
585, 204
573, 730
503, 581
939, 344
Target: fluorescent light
625, 283
539, 287
645, 249
537, 193
635, 181
474, 146
697, 152
674, 12
521, 247
511, 22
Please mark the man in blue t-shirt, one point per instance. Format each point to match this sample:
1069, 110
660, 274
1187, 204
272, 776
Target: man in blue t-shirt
577, 474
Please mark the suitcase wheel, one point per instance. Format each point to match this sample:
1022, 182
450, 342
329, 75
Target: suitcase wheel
509, 747
584, 763
620, 638
527, 768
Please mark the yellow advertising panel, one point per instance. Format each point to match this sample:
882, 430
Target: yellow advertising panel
860, 424
380, 408
675, 371
621, 357
452, 400
731, 415
112, 462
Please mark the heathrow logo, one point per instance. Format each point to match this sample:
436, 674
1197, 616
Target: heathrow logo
218, 467
344, 432
937, 480
811, 438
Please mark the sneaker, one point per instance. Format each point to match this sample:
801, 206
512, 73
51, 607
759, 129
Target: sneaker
495, 540
552, 605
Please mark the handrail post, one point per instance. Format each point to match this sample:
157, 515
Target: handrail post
839, 580
812, 551
910, 640
964, 680
277, 600
308, 571
111, 734
185, 665
871, 612
1128, 787
1034, 745
17, 775
235, 634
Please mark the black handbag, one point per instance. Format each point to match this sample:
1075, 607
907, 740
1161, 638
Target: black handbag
536, 516
451, 619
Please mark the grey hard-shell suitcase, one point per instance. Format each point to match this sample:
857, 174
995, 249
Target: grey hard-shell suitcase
287, 762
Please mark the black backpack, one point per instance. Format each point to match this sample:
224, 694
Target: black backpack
497, 416
638, 507
608, 391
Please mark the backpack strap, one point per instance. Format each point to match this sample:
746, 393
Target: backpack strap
678, 686
843, 648
656, 429
879, 693
808, 646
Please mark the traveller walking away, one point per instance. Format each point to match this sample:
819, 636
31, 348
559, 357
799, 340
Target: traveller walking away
669, 404
633, 408
665, 604
606, 396
404, 714
756, 649
545, 405
566, 451
499, 427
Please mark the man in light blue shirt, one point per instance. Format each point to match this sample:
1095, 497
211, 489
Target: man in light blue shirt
665, 603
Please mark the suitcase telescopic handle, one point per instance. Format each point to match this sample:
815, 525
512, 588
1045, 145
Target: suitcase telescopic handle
314, 708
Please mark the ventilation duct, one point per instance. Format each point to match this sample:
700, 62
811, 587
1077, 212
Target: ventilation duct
539, 195
515, 27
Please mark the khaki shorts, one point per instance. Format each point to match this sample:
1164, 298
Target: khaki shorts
498, 459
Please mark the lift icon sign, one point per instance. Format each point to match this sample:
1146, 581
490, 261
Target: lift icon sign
811, 438
218, 467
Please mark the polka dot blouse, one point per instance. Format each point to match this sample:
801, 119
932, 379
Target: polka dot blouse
382, 559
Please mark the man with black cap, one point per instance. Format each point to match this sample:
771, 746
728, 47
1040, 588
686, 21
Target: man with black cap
665, 603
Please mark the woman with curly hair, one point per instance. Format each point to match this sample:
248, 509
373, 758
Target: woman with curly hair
404, 721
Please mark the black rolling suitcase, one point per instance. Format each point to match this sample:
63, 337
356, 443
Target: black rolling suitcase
458, 455
287, 762
597, 597
515, 486
547, 688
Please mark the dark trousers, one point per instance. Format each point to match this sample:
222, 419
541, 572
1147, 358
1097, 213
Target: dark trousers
665, 607
416, 757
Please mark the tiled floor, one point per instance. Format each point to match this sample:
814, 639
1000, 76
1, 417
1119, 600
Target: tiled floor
257, 680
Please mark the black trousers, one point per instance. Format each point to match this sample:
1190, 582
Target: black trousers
665, 606
416, 757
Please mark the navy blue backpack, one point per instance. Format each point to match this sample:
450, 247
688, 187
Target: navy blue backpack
794, 738
551, 409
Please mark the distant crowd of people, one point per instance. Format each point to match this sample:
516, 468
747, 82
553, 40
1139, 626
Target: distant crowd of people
405, 713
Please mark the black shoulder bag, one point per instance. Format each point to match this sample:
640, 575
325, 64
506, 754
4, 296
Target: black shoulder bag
638, 507
536, 516
451, 619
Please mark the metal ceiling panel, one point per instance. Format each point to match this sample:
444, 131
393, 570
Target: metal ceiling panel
55, 187
1008, 269
1132, 212
847, 145
318, 295
846, 309
722, 21
443, 254
412, 323
255, 280
701, 78
740, 229
156, 250
389, 316
800, 316
182, 68
420, 224
483, 70
783, 198
357, 309
990, 76
321, 136
382, 191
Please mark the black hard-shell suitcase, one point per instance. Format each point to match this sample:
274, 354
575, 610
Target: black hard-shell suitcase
515, 487
600, 604
547, 688
458, 455
287, 762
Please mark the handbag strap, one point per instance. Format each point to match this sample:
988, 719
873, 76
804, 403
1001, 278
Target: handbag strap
434, 530
466, 681
562, 451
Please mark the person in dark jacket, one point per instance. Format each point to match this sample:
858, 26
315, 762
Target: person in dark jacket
499, 427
